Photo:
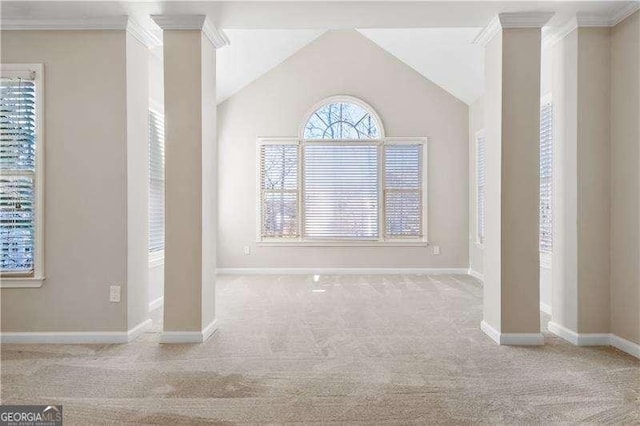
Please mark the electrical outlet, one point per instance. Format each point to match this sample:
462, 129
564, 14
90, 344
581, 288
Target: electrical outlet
247, 249
114, 293
436, 250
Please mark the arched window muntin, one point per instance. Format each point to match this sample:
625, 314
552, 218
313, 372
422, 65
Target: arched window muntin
365, 127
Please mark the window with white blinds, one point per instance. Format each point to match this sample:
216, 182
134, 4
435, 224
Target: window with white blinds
341, 190
279, 192
546, 177
342, 180
20, 176
480, 186
403, 190
156, 182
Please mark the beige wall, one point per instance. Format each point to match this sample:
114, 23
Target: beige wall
86, 248
343, 62
625, 179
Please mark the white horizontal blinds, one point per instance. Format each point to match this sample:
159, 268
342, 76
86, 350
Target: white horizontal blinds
17, 174
403, 190
279, 190
480, 187
156, 181
341, 190
546, 177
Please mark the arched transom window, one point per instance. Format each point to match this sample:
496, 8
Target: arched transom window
342, 181
341, 119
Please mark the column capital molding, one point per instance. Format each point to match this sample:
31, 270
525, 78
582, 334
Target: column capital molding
511, 20
192, 22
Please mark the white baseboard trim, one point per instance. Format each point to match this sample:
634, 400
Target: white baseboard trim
545, 308
338, 271
476, 274
189, 336
76, 337
625, 345
512, 339
156, 303
594, 339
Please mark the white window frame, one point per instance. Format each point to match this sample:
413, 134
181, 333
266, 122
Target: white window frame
156, 258
36, 279
479, 239
313, 242
546, 256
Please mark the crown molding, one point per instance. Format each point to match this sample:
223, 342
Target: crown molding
524, 19
624, 12
142, 34
99, 23
487, 33
192, 22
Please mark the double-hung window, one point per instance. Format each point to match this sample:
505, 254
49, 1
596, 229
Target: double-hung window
21, 175
342, 181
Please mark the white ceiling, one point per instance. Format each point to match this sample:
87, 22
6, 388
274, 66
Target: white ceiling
446, 56
254, 52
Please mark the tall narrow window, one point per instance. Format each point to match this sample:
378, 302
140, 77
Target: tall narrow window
403, 190
546, 177
20, 172
156, 182
480, 187
279, 189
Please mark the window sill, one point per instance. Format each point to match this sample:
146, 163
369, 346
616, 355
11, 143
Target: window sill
21, 282
409, 243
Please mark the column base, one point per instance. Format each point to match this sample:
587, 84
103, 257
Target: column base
189, 336
512, 339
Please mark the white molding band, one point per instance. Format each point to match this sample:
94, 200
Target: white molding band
76, 337
624, 12
476, 274
511, 20
119, 22
193, 22
339, 271
189, 336
512, 339
594, 339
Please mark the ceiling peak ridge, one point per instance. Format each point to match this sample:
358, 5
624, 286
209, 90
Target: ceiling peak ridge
193, 22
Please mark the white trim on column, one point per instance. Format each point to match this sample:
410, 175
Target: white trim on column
487, 33
189, 336
156, 303
193, 22
476, 274
624, 12
143, 35
546, 308
512, 339
594, 339
76, 337
338, 271
524, 19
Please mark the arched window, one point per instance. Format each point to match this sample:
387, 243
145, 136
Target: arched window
342, 180
342, 118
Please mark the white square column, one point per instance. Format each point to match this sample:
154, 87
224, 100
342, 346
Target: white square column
512, 129
190, 44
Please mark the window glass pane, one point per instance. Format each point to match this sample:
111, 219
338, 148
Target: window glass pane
546, 178
279, 189
156, 181
403, 190
341, 191
480, 187
342, 120
16, 219
17, 165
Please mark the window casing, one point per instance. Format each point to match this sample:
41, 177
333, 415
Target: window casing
21, 175
546, 176
364, 189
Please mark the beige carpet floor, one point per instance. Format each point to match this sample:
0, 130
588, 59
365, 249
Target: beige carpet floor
403, 349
